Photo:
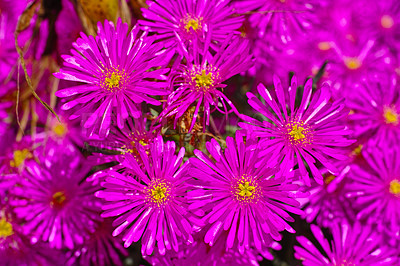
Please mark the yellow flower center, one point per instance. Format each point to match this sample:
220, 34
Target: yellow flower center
158, 193
245, 190
328, 179
60, 129
6, 228
192, 23
387, 21
113, 81
58, 198
204, 80
357, 150
395, 187
143, 142
390, 115
19, 157
297, 133
324, 46
352, 63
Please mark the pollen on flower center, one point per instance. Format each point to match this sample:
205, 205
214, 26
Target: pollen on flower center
352, 63
395, 187
246, 189
204, 80
19, 157
58, 199
298, 133
390, 115
387, 21
113, 80
328, 179
6, 228
192, 23
158, 193
324, 46
60, 129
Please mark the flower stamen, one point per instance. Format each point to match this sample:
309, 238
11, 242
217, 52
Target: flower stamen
58, 199
245, 190
19, 157
192, 23
297, 133
387, 21
395, 187
390, 115
6, 228
352, 63
204, 80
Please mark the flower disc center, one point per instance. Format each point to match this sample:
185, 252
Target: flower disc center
387, 21
352, 63
192, 23
204, 80
113, 80
390, 115
19, 157
158, 193
58, 199
395, 187
6, 228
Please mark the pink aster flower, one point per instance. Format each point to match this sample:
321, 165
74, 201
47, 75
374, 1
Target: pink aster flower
375, 112
129, 139
200, 81
236, 192
101, 248
375, 187
281, 19
199, 253
352, 245
327, 204
355, 62
310, 132
181, 23
116, 68
150, 203
55, 201
15, 248
379, 20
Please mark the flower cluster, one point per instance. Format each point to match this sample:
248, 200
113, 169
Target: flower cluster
200, 132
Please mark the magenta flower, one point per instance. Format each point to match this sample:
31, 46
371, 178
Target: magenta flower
281, 20
181, 23
15, 248
55, 202
354, 63
327, 204
312, 131
101, 248
150, 203
236, 192
200, 81
375, 112
127, 140
199, 253
379, 20
116, 68
352, 245
375, 187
